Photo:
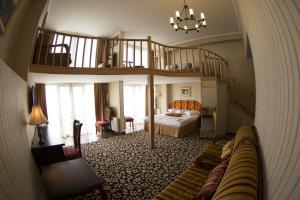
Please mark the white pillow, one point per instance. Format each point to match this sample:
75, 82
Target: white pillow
192, 112
180, 111
172, 110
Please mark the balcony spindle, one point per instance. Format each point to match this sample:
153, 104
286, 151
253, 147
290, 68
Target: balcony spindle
167, 67
127, 53
76, 50
133, 53
187, 59
180, 57
193, 57
47, 50
155, 63
70, 44
174, 59
159, 53
112, 53
40, 46
91, 50
83, 53
61, 50
53, 57
163, 57
141, 50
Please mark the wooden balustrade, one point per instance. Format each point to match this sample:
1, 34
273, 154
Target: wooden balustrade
70, 50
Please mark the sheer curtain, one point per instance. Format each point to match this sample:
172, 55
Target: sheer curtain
134, 102
66, 102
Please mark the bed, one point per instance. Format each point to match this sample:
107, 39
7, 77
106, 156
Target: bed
177, 126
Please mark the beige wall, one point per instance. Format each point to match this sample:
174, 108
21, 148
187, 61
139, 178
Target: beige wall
20, 178
114, 98
116, 102
273, 29
161, 98
175, 92
241, 68
209, 94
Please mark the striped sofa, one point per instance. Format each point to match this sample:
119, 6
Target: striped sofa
241, 180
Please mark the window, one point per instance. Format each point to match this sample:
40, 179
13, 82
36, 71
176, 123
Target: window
66, 102
134, 102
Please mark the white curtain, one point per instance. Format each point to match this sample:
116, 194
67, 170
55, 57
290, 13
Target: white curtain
66, 102
134, 102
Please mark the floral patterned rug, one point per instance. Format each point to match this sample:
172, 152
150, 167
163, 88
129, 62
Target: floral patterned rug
132, 170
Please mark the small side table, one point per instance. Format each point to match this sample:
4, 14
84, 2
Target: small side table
70, 178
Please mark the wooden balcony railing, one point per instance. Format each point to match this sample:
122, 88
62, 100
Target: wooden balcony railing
69, 50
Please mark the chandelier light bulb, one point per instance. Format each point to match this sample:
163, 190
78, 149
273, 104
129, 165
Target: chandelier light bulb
202, 16
177, 14
185, 27
175, 27
196, 25
204, 23
172, 21
191, 12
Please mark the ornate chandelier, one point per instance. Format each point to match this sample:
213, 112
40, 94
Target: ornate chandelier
185, 20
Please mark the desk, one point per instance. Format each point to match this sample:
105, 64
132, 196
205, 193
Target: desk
51, 151
70, 178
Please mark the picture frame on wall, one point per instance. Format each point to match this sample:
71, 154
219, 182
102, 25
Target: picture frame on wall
186, 91
7, 9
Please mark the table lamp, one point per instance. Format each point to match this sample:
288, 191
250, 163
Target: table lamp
37, 118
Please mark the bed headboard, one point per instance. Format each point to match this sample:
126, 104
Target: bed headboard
185, 105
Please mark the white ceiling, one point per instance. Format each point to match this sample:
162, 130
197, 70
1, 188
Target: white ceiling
127, 79
139, 18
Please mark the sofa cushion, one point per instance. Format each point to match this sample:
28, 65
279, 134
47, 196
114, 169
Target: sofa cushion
212, 182
240, 180
244, 133
213, 149
227, 149
185, 186
206, 161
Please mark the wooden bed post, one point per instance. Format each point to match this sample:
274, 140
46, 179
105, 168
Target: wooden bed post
150, 95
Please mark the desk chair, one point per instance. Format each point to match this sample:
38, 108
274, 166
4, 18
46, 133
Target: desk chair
130, 120
106, 122
74, 152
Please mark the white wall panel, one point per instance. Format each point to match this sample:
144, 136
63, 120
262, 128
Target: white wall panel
18, 172
273, 28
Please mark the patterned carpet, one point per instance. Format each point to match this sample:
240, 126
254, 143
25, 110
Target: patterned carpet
133, 171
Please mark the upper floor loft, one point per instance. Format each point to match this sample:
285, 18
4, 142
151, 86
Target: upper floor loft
64, 53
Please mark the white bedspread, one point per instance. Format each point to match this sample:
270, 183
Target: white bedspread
173, 121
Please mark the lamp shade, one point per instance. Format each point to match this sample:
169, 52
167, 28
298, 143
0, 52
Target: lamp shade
37, 117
